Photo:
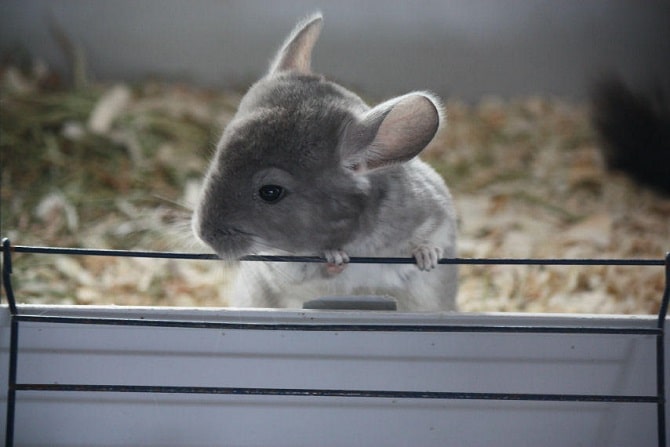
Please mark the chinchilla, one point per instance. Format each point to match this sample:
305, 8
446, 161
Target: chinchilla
307, 168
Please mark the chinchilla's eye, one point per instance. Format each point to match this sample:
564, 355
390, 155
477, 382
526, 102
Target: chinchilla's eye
271, 193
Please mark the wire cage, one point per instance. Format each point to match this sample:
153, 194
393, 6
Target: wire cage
149, 376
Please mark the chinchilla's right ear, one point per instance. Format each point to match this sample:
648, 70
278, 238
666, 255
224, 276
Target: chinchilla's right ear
296, 52
393, 132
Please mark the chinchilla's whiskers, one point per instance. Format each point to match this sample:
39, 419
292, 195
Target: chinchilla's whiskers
175, 216
180, 237
181, 205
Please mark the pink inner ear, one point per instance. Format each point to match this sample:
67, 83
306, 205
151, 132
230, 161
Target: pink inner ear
392, 132
411, 120
296, 53
405, 131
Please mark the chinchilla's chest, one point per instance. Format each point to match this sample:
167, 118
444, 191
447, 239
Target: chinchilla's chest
377, 277
383, 241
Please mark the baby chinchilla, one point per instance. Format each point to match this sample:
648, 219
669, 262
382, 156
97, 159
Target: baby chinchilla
307, 168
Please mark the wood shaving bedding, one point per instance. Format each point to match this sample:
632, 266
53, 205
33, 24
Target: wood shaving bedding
118, 166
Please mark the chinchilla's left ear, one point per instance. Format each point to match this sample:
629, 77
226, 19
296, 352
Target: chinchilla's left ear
392, 132
296, 52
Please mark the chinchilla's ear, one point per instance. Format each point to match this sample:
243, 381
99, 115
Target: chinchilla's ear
296, 52
393, 132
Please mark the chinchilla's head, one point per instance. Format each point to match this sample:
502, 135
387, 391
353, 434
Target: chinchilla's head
292, 171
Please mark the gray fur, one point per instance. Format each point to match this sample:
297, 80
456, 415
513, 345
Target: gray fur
352, 184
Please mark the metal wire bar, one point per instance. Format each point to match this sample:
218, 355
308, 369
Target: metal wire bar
318, 259
665, 301
660, 357
7, 275
11, 381
16, 318
337, 393
13, 343
110, 253
308, 327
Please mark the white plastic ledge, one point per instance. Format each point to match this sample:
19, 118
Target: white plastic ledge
332, 358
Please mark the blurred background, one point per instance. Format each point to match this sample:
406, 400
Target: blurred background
459, 48
111, 110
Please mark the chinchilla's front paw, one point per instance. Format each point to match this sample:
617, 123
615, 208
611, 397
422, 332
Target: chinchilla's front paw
427, 257
337, 261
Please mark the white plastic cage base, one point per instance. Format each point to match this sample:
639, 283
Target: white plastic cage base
305, 378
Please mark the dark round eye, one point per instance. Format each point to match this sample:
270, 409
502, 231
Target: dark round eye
271, 193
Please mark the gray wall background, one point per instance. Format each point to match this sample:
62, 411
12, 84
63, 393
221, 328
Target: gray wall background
459, 48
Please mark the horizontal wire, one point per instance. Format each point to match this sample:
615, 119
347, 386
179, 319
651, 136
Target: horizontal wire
658, 332
318, 259
329, 327
299, 392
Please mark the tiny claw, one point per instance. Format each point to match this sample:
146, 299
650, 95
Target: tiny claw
336, 257
426, 257
337, 261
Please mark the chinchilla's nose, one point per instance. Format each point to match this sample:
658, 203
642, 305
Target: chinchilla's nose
212, 229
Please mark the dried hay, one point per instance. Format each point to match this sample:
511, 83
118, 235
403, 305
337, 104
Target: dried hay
118, 166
